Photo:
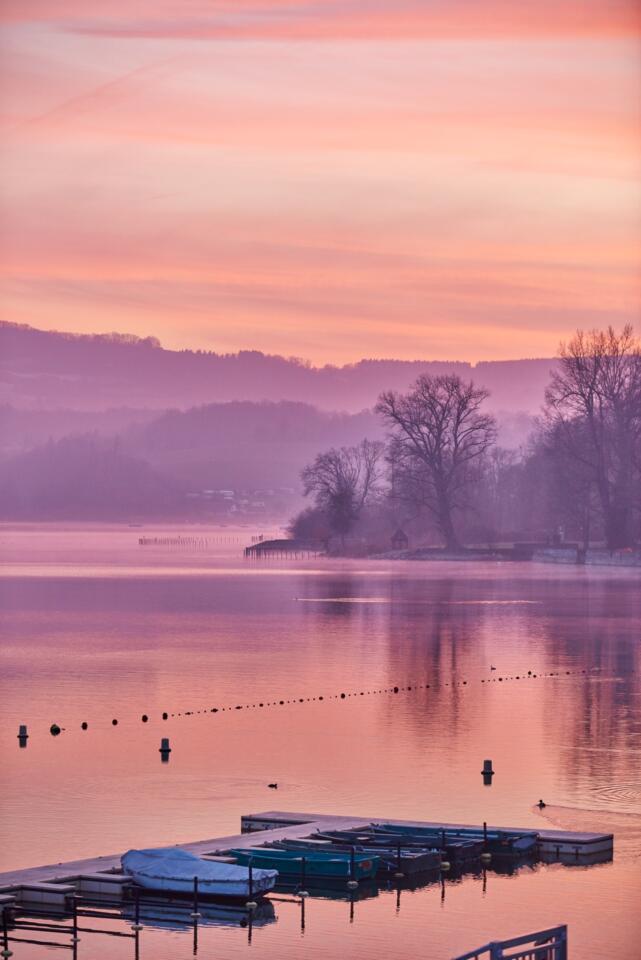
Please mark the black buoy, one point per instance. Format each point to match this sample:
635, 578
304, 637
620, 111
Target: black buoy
84, 725
165, 716
54, 729
487, 773
144, 718
114, 723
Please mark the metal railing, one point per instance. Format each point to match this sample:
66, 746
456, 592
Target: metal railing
549, 944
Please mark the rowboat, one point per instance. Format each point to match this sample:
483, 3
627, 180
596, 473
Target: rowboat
499, 842
313, 864
391, 860
457, 850
174, 871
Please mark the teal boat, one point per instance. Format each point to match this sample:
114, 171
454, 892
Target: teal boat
312, 864
516, 843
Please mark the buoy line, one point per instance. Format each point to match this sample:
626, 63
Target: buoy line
414, 686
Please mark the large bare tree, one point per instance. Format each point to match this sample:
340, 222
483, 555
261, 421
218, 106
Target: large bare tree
439, 438
593, 405
343, 481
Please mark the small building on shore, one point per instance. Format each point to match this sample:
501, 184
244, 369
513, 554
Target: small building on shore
400, 540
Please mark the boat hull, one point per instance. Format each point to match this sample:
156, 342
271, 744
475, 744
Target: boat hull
320, 866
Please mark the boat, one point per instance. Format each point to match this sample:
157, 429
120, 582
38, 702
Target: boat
333, 865
517, 843
391, 860
172, 870
456, 849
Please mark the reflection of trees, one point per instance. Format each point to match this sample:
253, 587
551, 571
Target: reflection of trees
596, 712
432, 629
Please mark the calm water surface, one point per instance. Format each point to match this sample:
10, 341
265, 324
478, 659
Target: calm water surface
96, 627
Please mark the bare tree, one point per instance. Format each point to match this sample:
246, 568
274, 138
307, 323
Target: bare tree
439, 439
343, 481
593, 405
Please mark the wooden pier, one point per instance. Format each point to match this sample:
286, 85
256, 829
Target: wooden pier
284, 549
554, 845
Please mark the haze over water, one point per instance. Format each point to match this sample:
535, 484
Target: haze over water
96, 627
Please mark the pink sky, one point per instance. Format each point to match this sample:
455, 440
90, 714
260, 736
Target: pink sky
424, 178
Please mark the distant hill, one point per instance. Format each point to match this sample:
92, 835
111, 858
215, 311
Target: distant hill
84, 478
45, 370
215, 460
245, 445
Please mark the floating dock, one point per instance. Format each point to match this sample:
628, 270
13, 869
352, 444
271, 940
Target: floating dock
37, 882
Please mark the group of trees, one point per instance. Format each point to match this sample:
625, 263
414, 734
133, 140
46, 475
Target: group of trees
579, 476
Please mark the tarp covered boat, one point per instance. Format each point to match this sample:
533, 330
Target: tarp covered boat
173, 870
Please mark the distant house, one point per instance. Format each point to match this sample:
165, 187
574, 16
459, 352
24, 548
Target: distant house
400, 540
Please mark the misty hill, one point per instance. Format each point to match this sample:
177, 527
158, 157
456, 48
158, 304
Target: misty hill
23, 429
41, 369
83, 478
176, 464
245, 445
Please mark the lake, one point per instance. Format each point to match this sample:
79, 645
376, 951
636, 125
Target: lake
97, 627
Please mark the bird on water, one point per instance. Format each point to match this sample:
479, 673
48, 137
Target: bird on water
273, 786
541, 804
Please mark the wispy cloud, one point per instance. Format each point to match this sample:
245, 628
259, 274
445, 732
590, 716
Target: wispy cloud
333, 19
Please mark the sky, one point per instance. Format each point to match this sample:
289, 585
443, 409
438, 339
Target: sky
438, 179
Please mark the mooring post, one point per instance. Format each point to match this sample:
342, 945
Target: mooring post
251, 903
74, 919
485, 834
137, 926
194, 912
6, 952
399, 871
352, 882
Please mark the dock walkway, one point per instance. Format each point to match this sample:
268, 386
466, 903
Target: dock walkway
278, 825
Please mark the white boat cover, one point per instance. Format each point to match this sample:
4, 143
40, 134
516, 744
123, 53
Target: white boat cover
171, 863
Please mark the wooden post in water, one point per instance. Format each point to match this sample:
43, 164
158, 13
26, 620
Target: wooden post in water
352, 882
6, 952
74, 919
251, 903
137, 926
194, 911
399, 871
303, 872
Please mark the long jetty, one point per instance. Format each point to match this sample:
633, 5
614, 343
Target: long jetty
562, 845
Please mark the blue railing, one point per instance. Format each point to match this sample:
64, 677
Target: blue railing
549, 944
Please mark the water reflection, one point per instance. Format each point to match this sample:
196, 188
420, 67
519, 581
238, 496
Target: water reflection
93, 647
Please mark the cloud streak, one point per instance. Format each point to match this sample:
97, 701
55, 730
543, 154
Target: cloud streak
462, 179
334, 19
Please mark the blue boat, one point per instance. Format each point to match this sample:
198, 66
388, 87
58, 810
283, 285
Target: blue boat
391, 860
334, 865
